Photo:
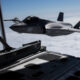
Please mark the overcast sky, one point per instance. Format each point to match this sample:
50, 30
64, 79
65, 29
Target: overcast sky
43, 8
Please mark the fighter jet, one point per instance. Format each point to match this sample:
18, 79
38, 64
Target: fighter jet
33, 24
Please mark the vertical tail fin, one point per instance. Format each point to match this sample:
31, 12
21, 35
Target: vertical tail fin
60, 17
77, 25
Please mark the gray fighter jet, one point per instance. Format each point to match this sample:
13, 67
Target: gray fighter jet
33, 24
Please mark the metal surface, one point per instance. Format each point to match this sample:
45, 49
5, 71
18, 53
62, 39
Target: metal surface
59, 67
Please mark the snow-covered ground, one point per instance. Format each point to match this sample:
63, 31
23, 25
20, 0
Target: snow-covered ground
66, 44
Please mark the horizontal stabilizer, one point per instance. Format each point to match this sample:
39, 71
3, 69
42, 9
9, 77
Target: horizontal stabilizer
77, 25
61, 16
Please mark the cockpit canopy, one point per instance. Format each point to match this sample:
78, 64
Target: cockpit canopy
31, 19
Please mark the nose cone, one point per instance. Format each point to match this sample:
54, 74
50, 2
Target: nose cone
20, 28
13, 27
